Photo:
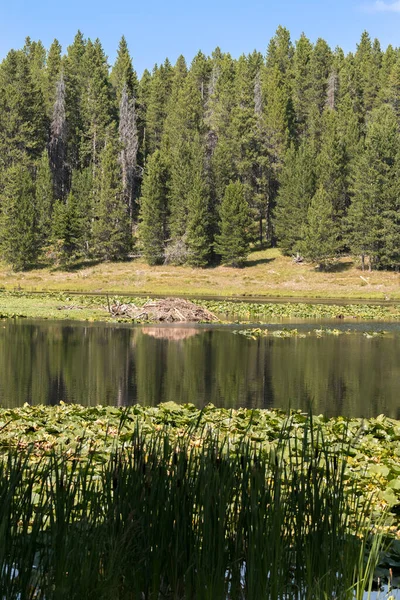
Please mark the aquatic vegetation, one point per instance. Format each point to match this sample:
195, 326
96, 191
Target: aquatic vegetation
177, 503
372, 458
96, 308
247, 311
255, 333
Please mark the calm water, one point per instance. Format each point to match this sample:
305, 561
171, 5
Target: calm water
45, 362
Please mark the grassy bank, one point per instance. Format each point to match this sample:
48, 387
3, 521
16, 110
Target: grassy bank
266, 273
175, 503
82, 307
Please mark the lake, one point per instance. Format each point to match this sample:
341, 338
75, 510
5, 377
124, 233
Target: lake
45, 362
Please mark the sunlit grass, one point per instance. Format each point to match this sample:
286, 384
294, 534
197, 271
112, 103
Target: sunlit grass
267, 273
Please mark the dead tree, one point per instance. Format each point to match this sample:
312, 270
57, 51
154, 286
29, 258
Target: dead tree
128, 135
58, 142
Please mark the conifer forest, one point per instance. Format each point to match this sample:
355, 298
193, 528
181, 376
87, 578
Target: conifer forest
193, 163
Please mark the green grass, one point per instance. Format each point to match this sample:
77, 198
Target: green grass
82, 307
195, 516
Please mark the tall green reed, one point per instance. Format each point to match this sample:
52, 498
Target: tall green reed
199, 517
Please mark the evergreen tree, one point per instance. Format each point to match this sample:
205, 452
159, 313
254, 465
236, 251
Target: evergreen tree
142, 105
73, 68
52, 74
180, 145
82, 189
375, 191
18, 232
232, 244
321, 241
96, 103
297, 188
368, 59
22, 113
160, 89
112, 234
197, 237
153, 210
333, 164
123, 74
44, 199
66, 232
320, 70
302, 82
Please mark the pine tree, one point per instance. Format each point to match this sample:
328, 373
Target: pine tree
180, 142
53, 70
217, 120
297, 188
197, 236
18, 232
302, 82
22, 113
368, 59
44, 199
321, 243
232, 244
153, 210
66, 232
112, 234
123, 74
96, 103
374, 189
142, 105
320, 70
333, 164
73, 68
160, 90
247, 137
82, 189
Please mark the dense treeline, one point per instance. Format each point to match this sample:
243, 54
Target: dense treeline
191, 164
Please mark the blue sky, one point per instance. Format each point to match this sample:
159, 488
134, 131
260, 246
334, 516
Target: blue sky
158, 28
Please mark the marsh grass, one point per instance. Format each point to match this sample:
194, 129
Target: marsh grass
181, 520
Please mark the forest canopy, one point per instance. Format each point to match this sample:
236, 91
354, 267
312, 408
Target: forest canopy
191, 164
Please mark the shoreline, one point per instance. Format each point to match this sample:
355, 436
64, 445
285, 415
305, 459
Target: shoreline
93, 308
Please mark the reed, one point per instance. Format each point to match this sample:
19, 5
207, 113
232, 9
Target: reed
162, 518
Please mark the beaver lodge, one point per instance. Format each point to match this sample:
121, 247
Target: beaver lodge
167, 310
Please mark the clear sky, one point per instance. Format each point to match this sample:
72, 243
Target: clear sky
156, 29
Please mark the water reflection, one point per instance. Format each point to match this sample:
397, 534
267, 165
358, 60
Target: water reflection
45, 362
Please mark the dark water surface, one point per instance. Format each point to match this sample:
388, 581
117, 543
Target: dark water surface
44, 362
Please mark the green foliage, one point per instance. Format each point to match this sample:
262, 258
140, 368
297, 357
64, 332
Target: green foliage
373, 215
66, 232
179, 510
153, 210
295, 193
321, 243
18, 219
112, 235
44, 199
233, 241
123, 73
300, 118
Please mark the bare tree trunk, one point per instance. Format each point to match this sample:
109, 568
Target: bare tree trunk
58, 143
129, 139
